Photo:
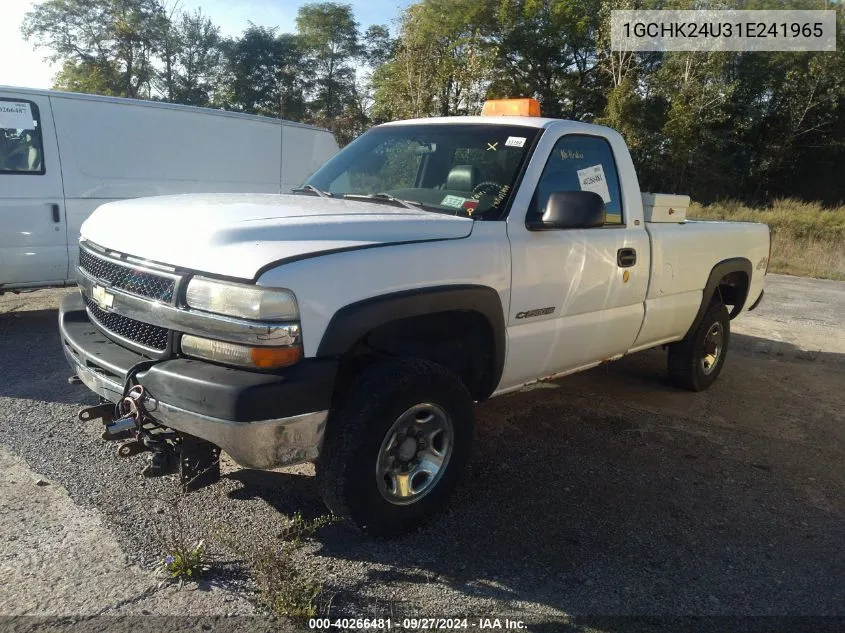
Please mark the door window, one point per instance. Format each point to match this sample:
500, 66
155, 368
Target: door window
582, 163
21, 149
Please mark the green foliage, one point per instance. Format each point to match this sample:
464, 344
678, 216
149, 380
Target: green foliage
90, 76
262, 74
186, 557
185, 562
441, 64
191, 58
328, 34
799, 219
285, 586
115, 40
750, 126
547, 49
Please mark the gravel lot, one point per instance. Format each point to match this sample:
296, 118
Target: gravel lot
604, 493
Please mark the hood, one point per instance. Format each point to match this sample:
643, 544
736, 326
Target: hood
237, 234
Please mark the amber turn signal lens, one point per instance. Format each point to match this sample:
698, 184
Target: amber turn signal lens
240, 355
269, 357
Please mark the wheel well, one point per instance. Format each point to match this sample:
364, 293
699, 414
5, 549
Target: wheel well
733, 291
728, 282
461, 340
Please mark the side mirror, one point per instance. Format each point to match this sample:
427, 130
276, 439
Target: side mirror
570, 210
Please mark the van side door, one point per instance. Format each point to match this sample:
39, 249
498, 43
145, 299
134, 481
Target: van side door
33, 236
577, 294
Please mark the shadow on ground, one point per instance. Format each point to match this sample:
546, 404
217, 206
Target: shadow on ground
610, 492
32, 364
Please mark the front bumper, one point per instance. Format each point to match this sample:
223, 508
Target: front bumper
261, 420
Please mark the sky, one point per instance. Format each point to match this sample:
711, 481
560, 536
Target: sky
22, 66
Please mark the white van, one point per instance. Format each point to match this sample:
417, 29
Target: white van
64, 154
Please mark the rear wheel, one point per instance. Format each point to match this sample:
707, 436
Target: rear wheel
696, 361
396, 445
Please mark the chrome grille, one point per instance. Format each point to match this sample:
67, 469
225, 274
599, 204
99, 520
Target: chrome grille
137, 282
150, 336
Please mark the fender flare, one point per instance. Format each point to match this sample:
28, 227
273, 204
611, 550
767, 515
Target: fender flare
718, 272
352, 322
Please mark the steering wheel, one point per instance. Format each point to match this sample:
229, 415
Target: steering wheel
488, 187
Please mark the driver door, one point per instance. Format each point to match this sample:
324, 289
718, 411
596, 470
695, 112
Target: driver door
575, 301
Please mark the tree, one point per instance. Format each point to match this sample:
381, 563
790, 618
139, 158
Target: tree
442, 62
263, 74
328, 34
92, 77
378, 47
113, 39
196, 59
548, 49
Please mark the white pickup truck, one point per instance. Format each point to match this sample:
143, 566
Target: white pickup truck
429, 265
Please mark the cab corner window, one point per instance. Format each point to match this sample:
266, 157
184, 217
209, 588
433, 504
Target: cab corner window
582, 163
21, 149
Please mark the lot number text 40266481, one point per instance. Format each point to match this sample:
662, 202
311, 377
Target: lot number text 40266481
415, 624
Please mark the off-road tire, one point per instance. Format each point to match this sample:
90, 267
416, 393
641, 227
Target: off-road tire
357, 426
685, 356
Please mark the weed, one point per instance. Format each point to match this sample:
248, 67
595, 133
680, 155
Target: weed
285, 588
185, 563
186, 555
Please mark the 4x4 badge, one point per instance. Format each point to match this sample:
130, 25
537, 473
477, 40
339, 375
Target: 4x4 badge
101, 297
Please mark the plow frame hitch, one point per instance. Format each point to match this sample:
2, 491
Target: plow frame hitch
104, 412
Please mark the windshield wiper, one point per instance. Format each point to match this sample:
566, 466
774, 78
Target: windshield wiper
312, 189
386, 197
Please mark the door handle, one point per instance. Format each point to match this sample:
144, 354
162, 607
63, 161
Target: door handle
54, 208
626, 257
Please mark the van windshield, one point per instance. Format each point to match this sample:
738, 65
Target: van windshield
466, 169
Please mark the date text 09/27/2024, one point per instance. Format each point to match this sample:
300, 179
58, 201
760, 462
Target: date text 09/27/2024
415, 624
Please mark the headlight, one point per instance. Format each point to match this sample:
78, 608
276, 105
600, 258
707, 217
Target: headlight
240, 355
241, 300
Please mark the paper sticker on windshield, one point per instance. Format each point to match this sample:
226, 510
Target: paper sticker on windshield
15, 116
453, 201
515, 141
592, 179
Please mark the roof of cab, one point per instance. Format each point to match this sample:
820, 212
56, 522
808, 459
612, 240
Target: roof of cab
60, 94
524, 121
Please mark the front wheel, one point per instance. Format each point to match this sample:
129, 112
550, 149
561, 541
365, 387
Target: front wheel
696, 361
396, 446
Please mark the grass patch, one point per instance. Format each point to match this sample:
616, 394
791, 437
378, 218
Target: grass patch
808, 240
286, 589
186, 557
185, 562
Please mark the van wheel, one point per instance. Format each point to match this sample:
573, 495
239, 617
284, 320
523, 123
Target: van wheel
695, 362
396, 446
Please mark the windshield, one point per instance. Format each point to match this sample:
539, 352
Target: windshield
466, 169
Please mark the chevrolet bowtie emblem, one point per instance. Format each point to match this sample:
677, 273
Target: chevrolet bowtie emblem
101, 297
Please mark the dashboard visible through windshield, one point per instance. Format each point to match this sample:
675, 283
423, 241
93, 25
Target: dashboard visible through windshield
462, 169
